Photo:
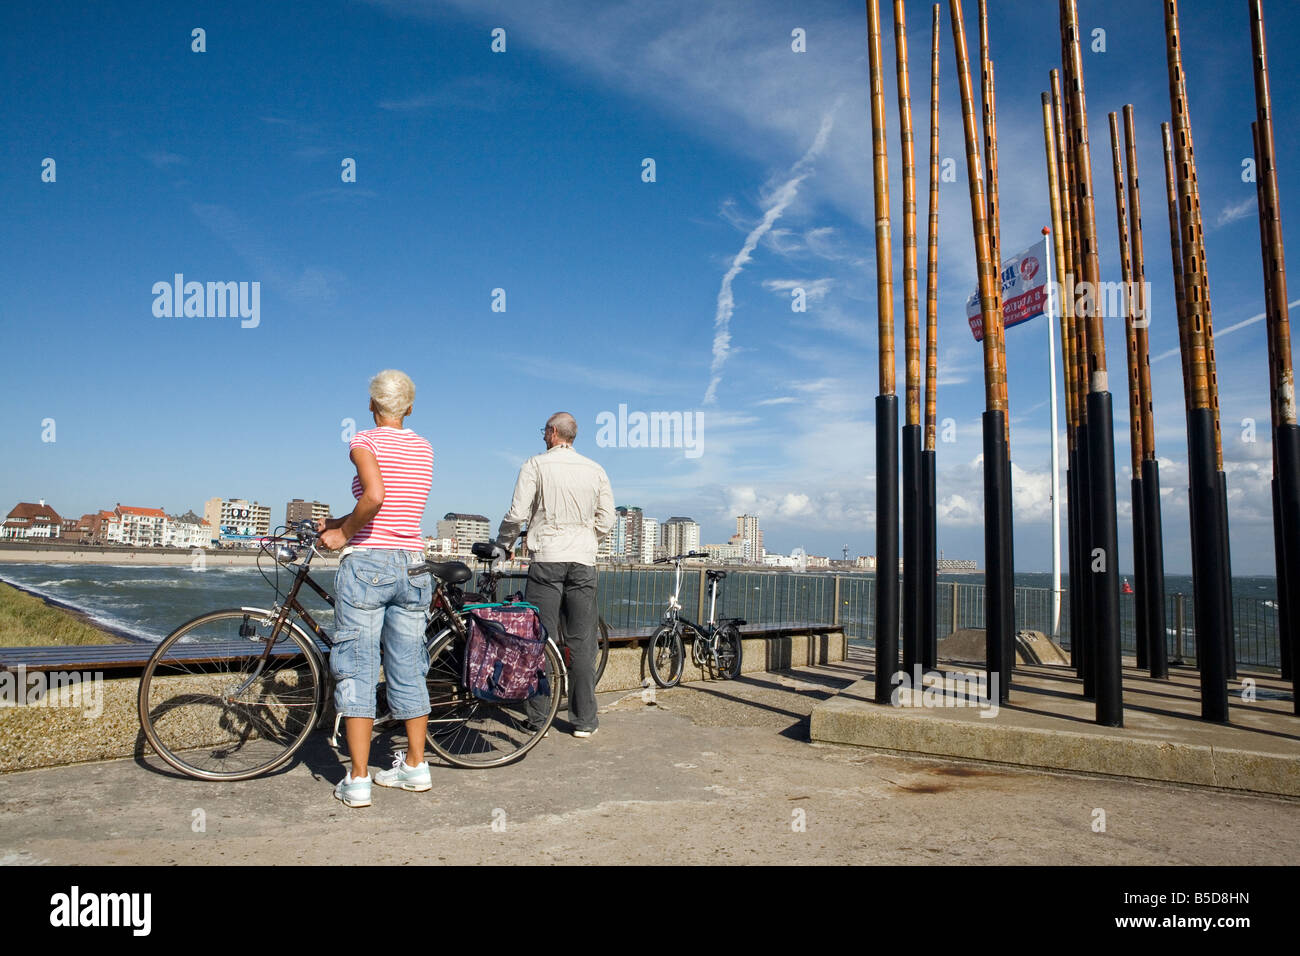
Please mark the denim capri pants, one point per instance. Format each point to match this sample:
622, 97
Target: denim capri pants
379, 607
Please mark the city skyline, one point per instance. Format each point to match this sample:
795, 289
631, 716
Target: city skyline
471, 215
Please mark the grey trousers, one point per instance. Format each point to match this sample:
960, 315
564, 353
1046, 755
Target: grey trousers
567, 592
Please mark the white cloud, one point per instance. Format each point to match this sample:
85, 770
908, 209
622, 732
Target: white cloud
1234, 211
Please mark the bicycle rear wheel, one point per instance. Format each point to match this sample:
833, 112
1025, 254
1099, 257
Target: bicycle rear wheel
665, 656
730, 652
212, 709
468, 732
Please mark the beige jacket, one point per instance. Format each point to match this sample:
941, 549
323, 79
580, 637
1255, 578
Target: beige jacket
567, 502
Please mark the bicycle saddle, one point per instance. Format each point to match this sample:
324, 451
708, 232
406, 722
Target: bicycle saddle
453, 572
716, 575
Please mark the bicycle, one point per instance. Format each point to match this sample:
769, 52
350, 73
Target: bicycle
234, 693
717, 645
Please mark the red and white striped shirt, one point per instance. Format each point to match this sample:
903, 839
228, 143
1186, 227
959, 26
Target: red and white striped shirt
406, 466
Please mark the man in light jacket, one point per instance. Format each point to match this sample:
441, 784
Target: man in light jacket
566, 500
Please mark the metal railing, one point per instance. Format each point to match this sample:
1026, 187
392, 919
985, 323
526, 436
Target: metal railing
632, 597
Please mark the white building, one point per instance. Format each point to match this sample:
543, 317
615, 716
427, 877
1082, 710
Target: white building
649, 539
29, 520
440, 547
465, 529
142, 527
187, 531
749, 538
679, 535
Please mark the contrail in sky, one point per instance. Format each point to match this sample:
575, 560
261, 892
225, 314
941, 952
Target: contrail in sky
778, 201
1232, 328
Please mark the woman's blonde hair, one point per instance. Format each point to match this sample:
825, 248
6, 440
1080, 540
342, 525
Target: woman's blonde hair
393, 393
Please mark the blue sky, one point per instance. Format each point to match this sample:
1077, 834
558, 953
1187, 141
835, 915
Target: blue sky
522, 171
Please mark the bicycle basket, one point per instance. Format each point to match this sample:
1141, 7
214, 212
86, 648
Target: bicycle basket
505, 653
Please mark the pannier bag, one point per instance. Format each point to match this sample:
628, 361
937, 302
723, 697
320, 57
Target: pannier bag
505, 653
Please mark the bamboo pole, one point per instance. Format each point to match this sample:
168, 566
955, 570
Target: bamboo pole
990, 291
1286, 432
913, 575
1176, 251
1153, 577
1126, 276
1207, 489
932, 248
886, 402
988, 100
911, 286
880, 179
1063, 228
1103, 537
1087, 219
1279, 321
929, 539
1141, 318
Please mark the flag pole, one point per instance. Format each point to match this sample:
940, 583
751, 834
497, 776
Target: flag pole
1055, 490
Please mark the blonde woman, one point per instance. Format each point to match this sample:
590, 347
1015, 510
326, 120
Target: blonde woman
379, 607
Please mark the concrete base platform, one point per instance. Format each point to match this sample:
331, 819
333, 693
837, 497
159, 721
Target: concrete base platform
1047, 725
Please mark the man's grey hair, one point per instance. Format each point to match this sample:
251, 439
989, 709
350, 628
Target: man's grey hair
565, 426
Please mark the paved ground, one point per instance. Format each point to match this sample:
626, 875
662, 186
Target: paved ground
711, 773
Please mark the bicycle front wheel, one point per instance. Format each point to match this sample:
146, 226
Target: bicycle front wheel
468, 732
665, 657
212, 708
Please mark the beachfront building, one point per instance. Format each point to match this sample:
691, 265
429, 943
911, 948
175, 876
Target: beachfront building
866, 562
748, 538
299, 510
141, 527
649, 539
679, 535
729, 553
76, 530
28, 521
237, 520
188, 531
442, 548
465, 530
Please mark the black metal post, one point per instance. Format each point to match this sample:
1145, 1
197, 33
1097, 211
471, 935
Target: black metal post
1087, 633
1072, 552
930, 564
1105, 579
1287, 438
995, 476
1139, 570
1208, 554
913, 572
1157, 640
1283, 592
886, 546
1229, 626
1008, 578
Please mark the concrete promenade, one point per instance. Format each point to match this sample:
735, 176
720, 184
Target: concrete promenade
710, 773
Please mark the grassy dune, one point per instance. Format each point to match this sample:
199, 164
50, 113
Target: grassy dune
27, 620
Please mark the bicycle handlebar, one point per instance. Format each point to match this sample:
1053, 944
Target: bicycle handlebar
679, 557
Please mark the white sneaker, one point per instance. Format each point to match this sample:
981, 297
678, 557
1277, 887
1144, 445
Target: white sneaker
405, 777
354, 792
585, 733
